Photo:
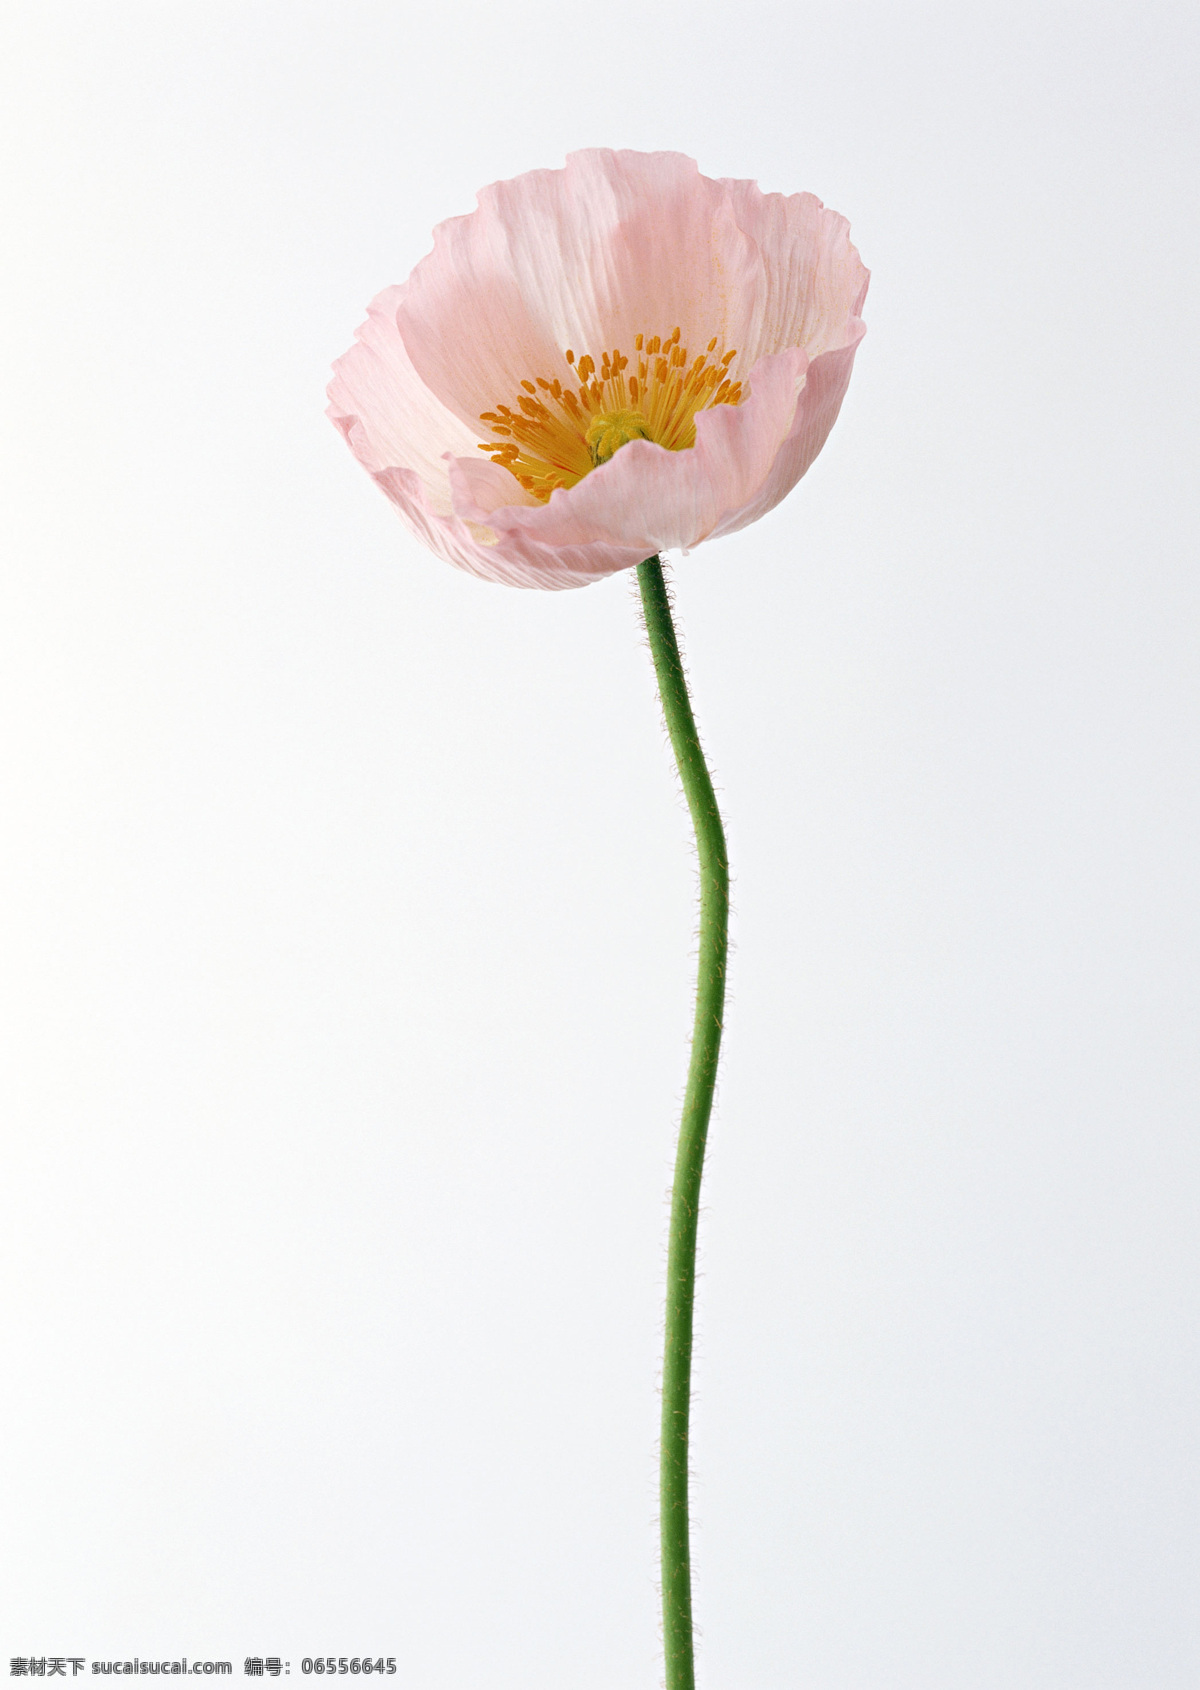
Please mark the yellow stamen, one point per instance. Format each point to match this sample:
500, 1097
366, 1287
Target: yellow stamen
558, 433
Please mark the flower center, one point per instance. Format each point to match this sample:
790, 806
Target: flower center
612, 429
559, 431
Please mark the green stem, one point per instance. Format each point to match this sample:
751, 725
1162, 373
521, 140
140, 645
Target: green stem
693, 1130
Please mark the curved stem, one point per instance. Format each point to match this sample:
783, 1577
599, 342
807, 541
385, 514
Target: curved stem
693, 1130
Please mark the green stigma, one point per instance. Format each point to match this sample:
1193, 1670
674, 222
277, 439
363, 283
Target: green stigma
612, 430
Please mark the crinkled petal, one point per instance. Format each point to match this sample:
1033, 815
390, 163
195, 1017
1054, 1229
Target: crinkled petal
816, 412
616, 244
811, 283
389, 417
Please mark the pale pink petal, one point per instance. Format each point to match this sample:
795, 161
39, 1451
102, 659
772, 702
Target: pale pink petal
820, 401
647, 498
677, 257
585, 257
386, 412
812, 282
519, 562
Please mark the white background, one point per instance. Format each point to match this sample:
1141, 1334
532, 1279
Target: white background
348, 906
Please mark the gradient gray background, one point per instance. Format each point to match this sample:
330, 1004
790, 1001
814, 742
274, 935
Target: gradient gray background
348, 905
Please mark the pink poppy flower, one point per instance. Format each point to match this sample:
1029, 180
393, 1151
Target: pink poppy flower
601, 363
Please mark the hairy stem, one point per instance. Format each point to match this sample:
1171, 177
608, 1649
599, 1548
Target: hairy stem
693, 1130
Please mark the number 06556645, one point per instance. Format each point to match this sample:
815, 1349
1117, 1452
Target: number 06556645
348, 1663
